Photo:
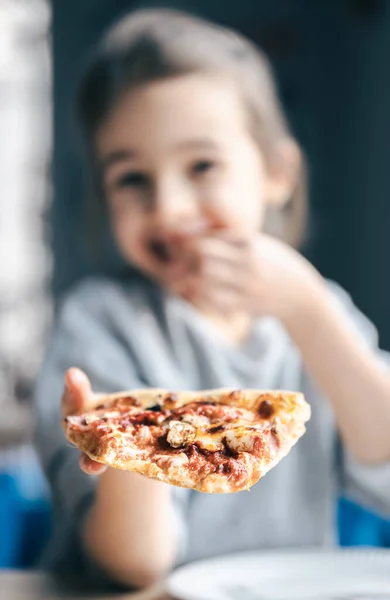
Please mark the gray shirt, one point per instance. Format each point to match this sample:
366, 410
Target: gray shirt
130, 334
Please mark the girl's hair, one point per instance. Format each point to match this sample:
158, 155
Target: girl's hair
151, 45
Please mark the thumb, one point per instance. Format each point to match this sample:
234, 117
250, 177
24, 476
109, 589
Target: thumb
77, 391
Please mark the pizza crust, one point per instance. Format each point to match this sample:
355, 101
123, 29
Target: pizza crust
286, 401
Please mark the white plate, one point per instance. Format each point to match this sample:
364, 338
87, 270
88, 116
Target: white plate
291, 575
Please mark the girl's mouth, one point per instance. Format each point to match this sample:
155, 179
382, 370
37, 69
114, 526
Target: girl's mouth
161, 250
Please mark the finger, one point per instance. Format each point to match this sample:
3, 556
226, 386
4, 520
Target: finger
233, 239
91, 467
214, 249
222, 246
217, 273
77, 391
191, 229
224, 300
213, 274
211, 277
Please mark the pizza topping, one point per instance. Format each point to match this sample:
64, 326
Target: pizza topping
275, 437
223, 462
239, 440
211, 443
125, 402
155, 407
169, 460
180, 434
104, 430
146, 417
170, 401
109, 414
217, 428
144, 435
266, 409
158, 403
196, 420
212, 412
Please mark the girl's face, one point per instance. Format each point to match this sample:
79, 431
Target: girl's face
177, 159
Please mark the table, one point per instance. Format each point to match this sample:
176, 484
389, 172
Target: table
36, 585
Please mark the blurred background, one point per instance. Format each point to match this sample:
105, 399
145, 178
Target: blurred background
25, 267
331, 59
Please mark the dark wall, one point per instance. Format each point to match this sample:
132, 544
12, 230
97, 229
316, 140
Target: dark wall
331, 60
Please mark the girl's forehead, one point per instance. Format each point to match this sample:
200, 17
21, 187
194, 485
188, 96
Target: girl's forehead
192, 105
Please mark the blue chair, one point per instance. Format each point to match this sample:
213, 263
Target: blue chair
10, 522
25, 516
35, 526
359, 527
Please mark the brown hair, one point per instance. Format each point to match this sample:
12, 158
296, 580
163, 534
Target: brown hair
149, 45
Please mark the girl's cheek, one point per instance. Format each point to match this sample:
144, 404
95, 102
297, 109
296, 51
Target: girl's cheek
123, 235
130, 239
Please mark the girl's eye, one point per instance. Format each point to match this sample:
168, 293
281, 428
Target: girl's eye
133, 180
203, 166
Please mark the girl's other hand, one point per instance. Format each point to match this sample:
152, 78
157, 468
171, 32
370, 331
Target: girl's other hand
78, 394
261, 276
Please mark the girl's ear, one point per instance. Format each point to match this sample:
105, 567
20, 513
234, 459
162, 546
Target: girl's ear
283, 177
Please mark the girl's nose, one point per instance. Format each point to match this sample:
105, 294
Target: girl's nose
176, 206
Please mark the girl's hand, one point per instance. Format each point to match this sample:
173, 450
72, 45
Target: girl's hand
129, 528
262, 276
78, 393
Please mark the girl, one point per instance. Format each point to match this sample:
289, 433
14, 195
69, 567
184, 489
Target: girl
189, 156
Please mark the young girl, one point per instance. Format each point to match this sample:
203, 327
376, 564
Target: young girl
189, 155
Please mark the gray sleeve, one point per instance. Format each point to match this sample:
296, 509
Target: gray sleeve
368, 485
83, 337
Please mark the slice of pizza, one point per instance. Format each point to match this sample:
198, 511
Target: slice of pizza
216, 441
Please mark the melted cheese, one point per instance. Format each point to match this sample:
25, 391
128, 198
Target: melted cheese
196, 420
210, 441
240, 439
170, 460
